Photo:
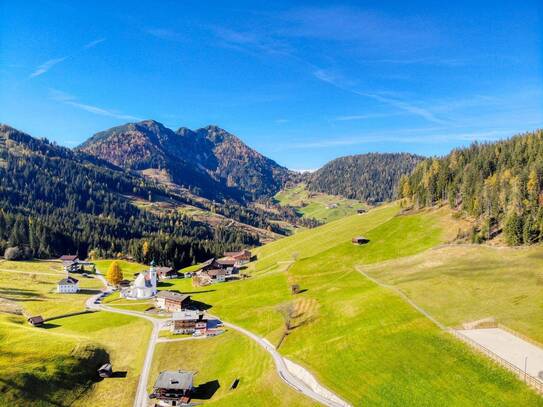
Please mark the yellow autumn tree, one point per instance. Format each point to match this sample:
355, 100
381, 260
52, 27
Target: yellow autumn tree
145, 250
114, 274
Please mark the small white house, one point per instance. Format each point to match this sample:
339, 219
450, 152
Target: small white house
68, 285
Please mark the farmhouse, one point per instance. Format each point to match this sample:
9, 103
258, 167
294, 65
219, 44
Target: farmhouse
166, 273
188, 322
171, 301
241, 257
360, 240
36, 321
72, 264
217, 275
173, 388
68, 285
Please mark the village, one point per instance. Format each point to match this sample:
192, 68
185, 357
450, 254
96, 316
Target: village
180, 314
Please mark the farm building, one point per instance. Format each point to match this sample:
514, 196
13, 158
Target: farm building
165, 273
241, 257
68, 285
361, 211
360, 240
171, 301
188, 322
36, 321
173, 388
72, 264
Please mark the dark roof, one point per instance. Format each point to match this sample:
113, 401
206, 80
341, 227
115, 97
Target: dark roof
68, 257
237, 254
105, 367
38, 319
163, 269
170, 295
68, 280
179, 380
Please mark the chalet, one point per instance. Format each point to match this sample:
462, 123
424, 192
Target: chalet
166, 273
227, 262
68, 285
188, 322
36, 321
173, 388
241, 257
171, 301
217, 275
360, 240
361, 211
105, 370
72, 264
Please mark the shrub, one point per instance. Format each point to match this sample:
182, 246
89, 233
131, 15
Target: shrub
13, 253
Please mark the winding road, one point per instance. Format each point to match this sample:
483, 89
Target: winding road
302, 381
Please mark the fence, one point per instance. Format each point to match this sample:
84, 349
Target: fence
534, 382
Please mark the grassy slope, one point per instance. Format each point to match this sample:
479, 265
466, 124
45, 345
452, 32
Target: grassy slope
69, 346
127, 267
314, 205
223, 359
464, 283
365, 342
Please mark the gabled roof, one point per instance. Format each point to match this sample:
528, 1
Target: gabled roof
163, 269
170, 295
68, 257
171, 379
38, 319
186, 315
227, 261
68, 280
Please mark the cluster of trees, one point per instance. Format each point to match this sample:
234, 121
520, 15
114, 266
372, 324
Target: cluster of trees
500, 184
55, 201
368, 177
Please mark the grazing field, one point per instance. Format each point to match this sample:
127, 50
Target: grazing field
461, 283
56, 365
361, 340
318, 205
221, 360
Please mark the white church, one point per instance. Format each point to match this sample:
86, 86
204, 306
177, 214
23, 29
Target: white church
143, 287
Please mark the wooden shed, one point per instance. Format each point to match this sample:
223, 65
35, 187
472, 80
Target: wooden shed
36, 321
360, 240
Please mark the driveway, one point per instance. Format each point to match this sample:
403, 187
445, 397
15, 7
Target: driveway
513, 349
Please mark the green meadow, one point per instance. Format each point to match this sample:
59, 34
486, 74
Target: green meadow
359, 339
318, 205
463, 283
56, 365
218, 362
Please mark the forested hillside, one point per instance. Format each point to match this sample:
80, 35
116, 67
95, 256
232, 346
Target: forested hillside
54, 200
500, 184
368, 177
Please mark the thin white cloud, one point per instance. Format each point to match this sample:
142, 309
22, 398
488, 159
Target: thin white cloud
166, 34
364, 116
68, 99
46, 66
94, 43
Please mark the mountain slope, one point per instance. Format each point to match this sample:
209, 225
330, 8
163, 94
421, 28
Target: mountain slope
54, 200
369, 177
209, 161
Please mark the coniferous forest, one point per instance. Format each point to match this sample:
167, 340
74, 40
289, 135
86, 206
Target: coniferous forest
55, 201
369, 177
499, 184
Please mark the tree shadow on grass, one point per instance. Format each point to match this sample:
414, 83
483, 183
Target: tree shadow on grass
206, 390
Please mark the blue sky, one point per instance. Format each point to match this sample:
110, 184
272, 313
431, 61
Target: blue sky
302, 83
